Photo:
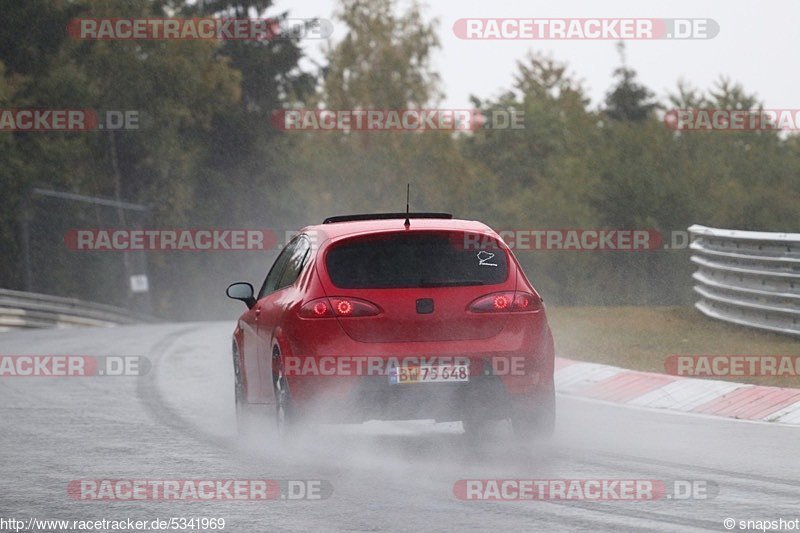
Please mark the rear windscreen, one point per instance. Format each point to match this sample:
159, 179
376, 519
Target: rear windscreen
415, 260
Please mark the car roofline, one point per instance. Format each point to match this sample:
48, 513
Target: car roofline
385, 216
366, 227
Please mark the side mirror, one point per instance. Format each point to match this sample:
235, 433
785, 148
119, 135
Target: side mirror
242, 291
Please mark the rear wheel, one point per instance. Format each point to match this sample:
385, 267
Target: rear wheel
242, 407
538, 422
480, 428
286, 419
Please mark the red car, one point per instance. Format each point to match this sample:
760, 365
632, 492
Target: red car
396, 316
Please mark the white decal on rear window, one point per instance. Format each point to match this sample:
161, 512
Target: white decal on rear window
483, 258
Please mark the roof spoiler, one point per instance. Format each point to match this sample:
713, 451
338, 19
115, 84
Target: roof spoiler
384, 216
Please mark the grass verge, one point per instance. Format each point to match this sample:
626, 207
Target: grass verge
641, 338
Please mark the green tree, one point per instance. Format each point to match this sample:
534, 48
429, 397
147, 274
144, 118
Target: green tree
628, 100
384, 61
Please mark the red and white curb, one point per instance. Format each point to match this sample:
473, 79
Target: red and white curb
688, 395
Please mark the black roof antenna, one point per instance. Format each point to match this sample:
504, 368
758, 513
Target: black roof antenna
407, 223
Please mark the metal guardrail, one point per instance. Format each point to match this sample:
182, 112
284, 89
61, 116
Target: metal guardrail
31, 310
751, 278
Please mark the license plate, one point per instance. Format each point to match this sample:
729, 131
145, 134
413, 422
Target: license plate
404, 375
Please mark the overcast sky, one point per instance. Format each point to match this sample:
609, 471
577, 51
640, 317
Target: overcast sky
757, 46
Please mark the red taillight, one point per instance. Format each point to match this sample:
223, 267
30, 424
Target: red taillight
525, 302
344, 308
500, 302
506, 302
338, 306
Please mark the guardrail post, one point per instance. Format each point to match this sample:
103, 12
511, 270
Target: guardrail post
25, 238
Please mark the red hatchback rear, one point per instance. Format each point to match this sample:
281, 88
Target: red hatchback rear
388, 317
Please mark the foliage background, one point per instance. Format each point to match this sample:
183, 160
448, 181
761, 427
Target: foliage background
207, 156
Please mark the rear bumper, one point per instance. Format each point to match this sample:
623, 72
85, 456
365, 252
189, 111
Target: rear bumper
494, 391
482, 399
509, 372
376, 398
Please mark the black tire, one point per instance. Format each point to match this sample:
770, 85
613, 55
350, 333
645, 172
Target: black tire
537, 423
480, 428
242, 407
286, 415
